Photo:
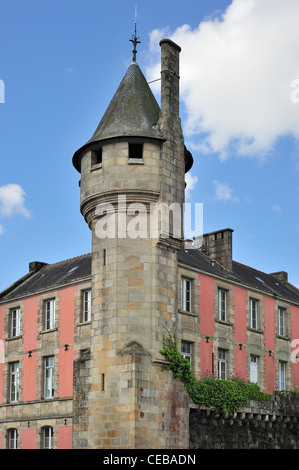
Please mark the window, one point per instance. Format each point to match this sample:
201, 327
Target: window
253, 314
254, 369
96, 157
222, 305
186, 350
87, 305
281, 321
15, 322
47, 438
281, 375
12, 439
222, 364
135, 150
186, 294
14, 382
50, 314
49, 377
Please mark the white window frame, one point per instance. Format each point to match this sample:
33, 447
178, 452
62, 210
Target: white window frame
15, 322
254, 314
222, 304
186, 294
281, 376
254, 369
281, 321
86, 307
222, 364
186, 350
48, 377
50, 314
14, 382
12, 438
48, 437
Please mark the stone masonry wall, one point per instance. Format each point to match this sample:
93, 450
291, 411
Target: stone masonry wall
273, 425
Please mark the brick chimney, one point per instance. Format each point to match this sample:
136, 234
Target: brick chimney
218, 246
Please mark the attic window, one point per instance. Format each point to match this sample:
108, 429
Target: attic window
135, 150
73, 269
96, 157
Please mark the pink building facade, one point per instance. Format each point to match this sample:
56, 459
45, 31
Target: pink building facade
230, 322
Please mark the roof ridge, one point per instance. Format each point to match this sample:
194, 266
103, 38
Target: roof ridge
69, 259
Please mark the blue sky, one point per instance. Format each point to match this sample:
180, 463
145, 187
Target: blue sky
62, 61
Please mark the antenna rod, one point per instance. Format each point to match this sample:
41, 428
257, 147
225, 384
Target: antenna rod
134, 39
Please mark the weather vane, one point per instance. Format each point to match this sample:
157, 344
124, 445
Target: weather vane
134, 39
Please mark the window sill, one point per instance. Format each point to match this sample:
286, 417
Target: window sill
82, 323
285, 338
255, 330
12, 338
223, 322
185, 312
98, 166
135, 161
51, 330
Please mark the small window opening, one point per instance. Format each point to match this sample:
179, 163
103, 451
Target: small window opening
104, 257
96, 158
135, 150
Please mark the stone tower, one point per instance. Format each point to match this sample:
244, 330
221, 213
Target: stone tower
135, 161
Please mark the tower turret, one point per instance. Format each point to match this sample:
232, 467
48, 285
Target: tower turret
132, 171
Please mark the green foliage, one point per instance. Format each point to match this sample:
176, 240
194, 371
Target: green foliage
224, 396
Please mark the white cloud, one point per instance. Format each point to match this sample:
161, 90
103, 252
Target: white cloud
1, 230
190, 183
236, 75
12, 201
223, 192
277, 209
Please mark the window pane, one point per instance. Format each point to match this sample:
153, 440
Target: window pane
222, 305
186, 350
14, 382
253, 314
281, 330
87, 305
49, 377
12, 439
50, 314
186, 303
15, 322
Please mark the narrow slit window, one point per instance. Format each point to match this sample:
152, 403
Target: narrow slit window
135, 150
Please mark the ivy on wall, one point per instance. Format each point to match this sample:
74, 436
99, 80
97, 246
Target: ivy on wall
223, 396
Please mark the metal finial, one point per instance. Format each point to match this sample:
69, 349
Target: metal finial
134, 39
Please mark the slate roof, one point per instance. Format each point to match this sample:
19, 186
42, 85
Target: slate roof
132, 112
77, 269
240, 273
48, 277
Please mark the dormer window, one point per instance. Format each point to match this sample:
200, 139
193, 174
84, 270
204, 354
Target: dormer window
135, 150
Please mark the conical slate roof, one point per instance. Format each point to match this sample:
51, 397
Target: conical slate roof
132, 112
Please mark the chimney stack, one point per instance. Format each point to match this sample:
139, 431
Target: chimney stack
218, 246
170, 79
